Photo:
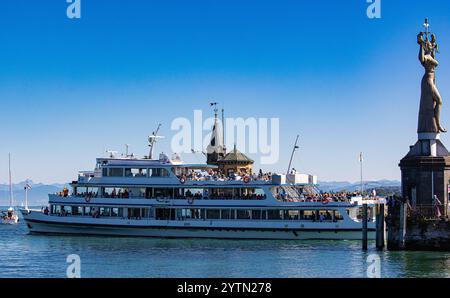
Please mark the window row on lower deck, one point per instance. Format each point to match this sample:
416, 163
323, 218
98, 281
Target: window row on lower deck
162, 213
182, 193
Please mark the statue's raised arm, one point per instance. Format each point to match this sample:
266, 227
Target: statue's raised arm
421, 43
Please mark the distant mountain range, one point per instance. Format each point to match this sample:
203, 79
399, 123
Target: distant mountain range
38, 195
382, 187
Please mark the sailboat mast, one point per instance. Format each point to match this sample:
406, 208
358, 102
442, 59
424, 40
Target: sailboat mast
10, 181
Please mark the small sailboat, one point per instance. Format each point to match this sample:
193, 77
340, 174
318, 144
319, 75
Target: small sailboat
10, 217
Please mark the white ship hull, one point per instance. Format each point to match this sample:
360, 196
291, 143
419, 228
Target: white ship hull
39, 223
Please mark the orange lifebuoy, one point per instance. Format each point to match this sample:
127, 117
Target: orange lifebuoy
325, 201
183, 180
246, 179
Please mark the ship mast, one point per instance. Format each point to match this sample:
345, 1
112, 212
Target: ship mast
223, 130
292, 155
10, 182
152, 141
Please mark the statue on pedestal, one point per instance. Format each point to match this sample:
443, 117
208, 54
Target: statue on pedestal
430, 100
426, 166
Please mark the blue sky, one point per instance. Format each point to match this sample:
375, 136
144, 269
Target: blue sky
346, 83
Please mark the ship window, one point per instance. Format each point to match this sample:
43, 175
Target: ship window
104, 211
151, 212
155, 172
186, 213
162, 192
197, 193
307, 215
256, 191
198, 213
81, 191
117, 192
158, 172
138, 213
87, 210
338, 215
105, 172
212, 213
221, 193
66, 210
325, 215
243, 214
291, 214
139, 172
256, 214
162, 213
114, 212
274, 214
135, 172
136, 192
116, 172
77, 210
179, 214
227, 214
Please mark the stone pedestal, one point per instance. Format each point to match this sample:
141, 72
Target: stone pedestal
425, 173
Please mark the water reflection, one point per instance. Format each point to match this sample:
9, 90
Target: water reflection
45, 256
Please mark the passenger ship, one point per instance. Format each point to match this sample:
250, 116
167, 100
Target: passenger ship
164, 197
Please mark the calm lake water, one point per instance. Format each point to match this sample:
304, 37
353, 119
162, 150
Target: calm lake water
25, 255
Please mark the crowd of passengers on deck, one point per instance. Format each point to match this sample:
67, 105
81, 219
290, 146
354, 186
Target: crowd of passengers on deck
188, 195
321, 197
217, 175
199, 196
342, 196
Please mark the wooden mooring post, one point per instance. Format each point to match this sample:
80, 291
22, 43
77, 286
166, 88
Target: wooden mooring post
364, 227
402, 226
380, 225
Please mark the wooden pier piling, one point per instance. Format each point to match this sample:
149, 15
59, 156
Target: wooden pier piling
380, 225
364, 227
402, 226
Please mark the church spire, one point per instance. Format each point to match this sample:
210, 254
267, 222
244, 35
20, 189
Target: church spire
215, 150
